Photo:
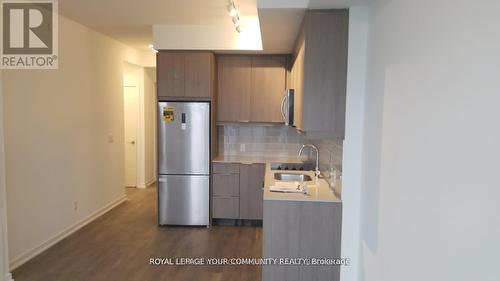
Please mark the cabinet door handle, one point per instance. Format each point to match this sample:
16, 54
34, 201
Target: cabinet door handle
283, 108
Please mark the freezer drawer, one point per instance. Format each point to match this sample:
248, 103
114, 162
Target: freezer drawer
183, 200
183, 138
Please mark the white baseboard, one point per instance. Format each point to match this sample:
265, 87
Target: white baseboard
33, 252
8, 277
151, 181
147, 184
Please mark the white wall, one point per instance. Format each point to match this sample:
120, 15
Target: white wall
430, 193
353, 143
150, 124
64, 139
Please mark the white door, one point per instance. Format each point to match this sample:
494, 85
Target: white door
131, 98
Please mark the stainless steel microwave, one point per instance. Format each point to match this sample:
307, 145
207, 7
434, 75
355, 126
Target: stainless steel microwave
287, 107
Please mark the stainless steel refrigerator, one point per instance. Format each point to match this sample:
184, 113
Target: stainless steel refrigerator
183, 163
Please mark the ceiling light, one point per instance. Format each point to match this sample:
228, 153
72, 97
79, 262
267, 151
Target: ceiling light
233, 12
231, 8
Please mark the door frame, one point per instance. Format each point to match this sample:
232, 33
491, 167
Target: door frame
140, 77
137, 131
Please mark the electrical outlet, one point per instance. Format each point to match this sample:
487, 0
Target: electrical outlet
75, 205
242, 147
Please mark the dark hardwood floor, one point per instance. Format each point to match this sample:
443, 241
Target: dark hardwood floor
118, 246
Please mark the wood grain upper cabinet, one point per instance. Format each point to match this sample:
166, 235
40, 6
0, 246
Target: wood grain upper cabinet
170, 74
251, 88
233, 100
199, 74
268, 84
319, 72
186, 74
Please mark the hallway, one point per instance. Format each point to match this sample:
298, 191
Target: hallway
118, 246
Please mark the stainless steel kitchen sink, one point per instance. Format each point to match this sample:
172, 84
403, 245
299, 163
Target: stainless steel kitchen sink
291, 177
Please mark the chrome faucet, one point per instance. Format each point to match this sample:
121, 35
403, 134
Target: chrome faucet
316, 172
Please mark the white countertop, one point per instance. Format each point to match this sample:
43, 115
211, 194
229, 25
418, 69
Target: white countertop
318, 189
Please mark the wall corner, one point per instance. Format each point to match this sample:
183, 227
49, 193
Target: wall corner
4, 249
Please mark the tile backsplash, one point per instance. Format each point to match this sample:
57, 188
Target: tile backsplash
330, 161
254, 139
275, 140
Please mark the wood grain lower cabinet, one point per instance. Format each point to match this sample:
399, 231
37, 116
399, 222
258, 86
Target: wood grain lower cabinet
251, 193
237, 191
225, 191
226, 168
226, 185
301, 229
225, 207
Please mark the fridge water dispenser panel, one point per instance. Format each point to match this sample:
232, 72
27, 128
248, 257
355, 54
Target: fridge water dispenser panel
183, 121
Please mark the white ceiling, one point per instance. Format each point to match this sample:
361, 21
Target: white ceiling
131, 21
217, 36
310, 4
